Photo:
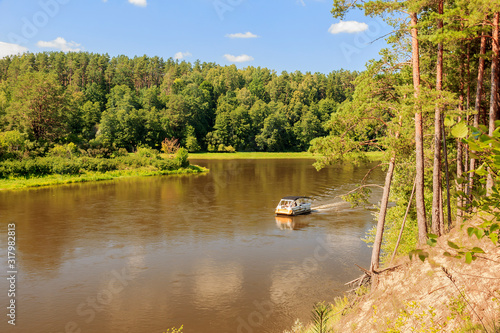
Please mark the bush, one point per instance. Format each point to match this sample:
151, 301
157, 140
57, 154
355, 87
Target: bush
165, 164
63, 166
42, 166
192, 144
12, 144
147, 152
120, 152
68, 150
181, 157
99, 152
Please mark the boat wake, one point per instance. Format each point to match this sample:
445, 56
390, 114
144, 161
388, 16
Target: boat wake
330, 206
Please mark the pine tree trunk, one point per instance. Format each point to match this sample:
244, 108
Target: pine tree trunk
460, 146
436, 175
494, 90
477, 106
377, 244
419, 143
447, 173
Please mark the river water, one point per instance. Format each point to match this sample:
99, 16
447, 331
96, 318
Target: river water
204, 251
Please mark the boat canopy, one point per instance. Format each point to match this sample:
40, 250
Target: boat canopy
292, 197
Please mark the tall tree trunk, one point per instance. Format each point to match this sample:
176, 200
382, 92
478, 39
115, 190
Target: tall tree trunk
494, 90
460, 147
419, 142
447, 173
377, 244
436, 175
465, 188
477, 106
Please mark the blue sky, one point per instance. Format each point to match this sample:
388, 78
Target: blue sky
278, 34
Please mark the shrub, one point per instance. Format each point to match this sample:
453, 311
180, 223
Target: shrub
192, 144
63, 166
181, 157
68, 150
12, 144
165, 164
120, 152
170, 146
147, 152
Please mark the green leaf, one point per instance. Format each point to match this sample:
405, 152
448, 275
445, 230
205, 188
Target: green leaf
449, 121
479, 233
432, 236
431, 242
494, 238
477, 250
423, 255
453, 245
468, 257
470, 231
473, 146
494, 227
460, 130
447, 254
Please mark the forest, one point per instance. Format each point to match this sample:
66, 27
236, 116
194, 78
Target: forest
98, 102
434, 95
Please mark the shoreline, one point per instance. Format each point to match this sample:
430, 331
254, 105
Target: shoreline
56, 179
372, 156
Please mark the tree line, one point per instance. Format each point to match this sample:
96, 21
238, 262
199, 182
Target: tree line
434, 94
96, 101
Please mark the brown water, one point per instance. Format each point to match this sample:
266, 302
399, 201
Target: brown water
203, 251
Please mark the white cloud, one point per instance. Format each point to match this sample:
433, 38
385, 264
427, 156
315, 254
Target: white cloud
242, 35
140, 3
182, 55
240, 58
348, 27
7, 49
60, 44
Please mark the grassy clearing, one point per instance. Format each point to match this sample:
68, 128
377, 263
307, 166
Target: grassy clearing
20, 183
373, 156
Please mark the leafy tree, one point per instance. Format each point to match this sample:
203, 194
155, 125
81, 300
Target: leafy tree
38, 106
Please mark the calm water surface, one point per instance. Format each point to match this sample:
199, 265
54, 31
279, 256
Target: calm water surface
203, 251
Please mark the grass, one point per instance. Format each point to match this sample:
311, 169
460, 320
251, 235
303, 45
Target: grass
23, 183
373, 156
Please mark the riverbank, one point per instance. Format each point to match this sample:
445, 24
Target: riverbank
20, 183
442, 294
372, 156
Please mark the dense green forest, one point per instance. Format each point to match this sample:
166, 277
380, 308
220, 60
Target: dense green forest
99, 102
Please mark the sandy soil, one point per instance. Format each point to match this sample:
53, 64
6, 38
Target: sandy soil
442, 294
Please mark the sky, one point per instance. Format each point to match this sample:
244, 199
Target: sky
282, 35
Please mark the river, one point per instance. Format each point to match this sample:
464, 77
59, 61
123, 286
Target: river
204, 251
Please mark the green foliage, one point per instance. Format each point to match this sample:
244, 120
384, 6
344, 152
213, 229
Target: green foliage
415, 317
174, 330
484, 207
68, 150
125, 103
320, 316
60, 162
12, 144
181, 158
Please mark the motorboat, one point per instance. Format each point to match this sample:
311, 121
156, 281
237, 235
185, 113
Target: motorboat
294, 205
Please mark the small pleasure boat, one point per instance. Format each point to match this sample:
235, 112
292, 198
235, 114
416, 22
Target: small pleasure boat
293, 205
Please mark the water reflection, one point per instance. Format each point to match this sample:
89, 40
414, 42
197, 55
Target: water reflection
217, 285
290, 222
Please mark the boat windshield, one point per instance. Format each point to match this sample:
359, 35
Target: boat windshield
288, 203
